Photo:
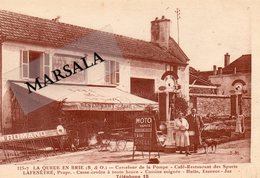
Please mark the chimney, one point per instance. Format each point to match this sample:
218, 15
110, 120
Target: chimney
226, 59
214, 70
160, 32
220, 70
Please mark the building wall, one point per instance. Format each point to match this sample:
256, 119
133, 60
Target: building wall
154, 70
225, 81
148, 70
11, 58
246, 106
12, 71
94, 75
219, 105
183, 73
202, 90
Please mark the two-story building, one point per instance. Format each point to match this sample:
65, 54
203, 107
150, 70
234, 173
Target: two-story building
128, 80
233, 83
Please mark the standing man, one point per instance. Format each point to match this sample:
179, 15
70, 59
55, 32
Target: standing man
195, 127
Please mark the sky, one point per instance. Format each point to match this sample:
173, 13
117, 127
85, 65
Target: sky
208, 28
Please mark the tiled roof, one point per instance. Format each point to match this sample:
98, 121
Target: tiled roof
198, 79
242, 65
33, 30
205, 74
175, 50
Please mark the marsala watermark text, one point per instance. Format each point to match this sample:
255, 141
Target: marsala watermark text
68, 70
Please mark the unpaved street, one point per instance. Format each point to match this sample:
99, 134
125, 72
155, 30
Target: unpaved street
232, 152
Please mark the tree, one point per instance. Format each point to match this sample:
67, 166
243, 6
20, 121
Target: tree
181, 105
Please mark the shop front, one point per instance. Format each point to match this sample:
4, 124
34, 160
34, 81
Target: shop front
82, 109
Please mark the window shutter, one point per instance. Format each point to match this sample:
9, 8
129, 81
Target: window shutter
117, 73
24, 57
46, 64
107, 74
112, 72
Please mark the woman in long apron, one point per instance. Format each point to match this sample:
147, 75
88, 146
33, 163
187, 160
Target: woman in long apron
181, 127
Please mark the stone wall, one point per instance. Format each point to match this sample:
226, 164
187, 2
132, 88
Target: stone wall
246, 106
219, 105
198, 90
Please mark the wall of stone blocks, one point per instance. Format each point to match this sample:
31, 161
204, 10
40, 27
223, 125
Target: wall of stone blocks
218, 105
215, 105
246, 106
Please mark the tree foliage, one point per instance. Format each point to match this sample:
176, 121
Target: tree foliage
181, 105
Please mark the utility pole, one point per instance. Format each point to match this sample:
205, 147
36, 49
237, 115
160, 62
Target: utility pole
178, 13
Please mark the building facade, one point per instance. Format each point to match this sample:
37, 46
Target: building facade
232, 88
234, 77
32, 47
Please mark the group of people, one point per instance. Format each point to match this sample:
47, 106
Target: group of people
188, 131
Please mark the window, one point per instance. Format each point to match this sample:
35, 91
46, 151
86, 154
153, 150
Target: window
143, 87
169, 67
34, 64
59, 60
111, 72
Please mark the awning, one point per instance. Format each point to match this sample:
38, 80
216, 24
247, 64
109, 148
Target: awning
80, 97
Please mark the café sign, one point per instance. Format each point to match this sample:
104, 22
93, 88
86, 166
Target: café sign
103, 106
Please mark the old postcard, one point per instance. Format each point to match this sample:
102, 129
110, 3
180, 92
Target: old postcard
128, 89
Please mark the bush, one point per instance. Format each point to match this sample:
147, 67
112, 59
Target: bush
181, 105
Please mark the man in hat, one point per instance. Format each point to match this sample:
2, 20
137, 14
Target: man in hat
195, 127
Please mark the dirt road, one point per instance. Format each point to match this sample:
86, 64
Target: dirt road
232, 152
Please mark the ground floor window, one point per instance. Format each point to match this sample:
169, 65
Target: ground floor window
143, 88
